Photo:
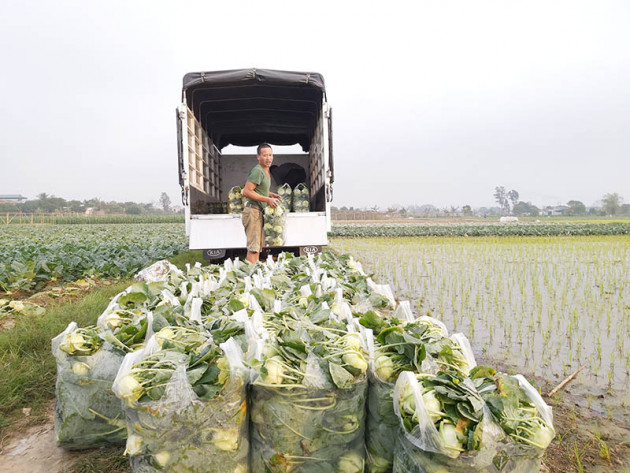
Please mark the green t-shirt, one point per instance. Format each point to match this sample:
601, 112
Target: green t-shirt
259, 177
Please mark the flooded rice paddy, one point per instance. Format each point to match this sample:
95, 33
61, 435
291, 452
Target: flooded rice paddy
542, 305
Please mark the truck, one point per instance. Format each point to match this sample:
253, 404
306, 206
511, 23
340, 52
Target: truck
244, 108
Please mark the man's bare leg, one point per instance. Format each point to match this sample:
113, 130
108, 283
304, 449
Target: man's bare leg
252, 256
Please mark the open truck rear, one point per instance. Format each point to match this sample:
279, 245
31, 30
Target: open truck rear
244, 108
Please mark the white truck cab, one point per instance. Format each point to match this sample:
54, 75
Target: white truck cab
244, 108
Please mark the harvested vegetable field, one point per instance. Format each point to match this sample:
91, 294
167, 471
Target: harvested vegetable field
32, 256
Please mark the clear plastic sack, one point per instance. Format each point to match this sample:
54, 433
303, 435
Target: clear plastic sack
158, 271
286, 195
382, 422
308, 430
466, 350
544, 410
518, 408
307, 411
403, 312
87, 414
425, 449
434, 321
380, 296
382, 426
181, 432
236, 201
447, 353
301, 198
275, 224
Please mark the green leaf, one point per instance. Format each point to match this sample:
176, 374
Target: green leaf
465, 410
482, 372
159, 322
268, 298
210, 376
206, 391
341, 377
320, 315
280, 281
385, 336
371, 319
407, 424
378, 300
109, 337
292, 340
195, 374
132, 300
235, 305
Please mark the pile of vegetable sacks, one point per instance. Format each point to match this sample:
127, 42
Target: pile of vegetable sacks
87, 414
290, 365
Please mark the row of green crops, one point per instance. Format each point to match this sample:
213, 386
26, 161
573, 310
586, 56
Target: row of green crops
480, 229
30, 256
60, 219
121, 219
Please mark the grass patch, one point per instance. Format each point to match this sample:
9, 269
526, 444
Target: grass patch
27, 366
190, 257
109, 459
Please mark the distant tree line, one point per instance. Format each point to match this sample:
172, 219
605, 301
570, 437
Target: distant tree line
612, 204
49, 204
509, 203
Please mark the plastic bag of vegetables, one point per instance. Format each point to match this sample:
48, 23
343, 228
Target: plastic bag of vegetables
158, 271
185, 403
308, 403
286, 195
236, 202
520, 411
301, 198
397, 347
275, 223
87, 414
447, 426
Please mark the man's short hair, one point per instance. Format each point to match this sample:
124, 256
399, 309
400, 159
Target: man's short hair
262, 146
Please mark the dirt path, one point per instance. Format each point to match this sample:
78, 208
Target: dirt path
33, 450
602, 443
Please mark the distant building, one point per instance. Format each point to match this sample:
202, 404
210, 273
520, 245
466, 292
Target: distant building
555, 211
11, 198
93, 212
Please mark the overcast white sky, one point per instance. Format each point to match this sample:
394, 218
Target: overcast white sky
434, 101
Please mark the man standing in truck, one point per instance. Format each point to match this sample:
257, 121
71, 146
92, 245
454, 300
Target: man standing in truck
256, 191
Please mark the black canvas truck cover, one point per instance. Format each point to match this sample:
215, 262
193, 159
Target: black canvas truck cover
246, 107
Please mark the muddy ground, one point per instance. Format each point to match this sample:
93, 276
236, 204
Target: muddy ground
602, 444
